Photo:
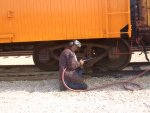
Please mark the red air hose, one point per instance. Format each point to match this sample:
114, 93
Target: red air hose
107, 85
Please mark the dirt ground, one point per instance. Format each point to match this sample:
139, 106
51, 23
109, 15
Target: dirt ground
45, 97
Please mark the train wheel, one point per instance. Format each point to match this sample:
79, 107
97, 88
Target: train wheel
118, 56
43, 59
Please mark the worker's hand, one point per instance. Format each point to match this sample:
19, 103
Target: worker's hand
81, 62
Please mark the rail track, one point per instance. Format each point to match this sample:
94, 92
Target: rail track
130, 70
30, 72
24, 72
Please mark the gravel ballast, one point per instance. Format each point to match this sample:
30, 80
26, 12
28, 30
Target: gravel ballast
44, 97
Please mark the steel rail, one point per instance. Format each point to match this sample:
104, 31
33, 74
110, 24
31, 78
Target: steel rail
31, 72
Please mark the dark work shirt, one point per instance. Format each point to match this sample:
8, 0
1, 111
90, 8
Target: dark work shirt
69, 61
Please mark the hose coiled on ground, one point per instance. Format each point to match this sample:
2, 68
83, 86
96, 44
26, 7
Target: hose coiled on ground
125, 83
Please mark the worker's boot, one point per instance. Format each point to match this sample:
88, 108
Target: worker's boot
78, 86
62, 87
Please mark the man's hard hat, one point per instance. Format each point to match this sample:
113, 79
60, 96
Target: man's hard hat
75, 42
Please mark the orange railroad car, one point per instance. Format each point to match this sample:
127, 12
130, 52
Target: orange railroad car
44, 27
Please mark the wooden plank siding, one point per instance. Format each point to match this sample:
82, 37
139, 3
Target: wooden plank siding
46, 20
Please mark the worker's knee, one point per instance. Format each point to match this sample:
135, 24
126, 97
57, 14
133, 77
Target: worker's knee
80, 72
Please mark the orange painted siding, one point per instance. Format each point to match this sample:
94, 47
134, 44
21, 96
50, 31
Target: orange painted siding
148, 8
42, 20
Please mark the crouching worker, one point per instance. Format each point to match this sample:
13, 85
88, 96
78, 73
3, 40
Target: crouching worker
73, 74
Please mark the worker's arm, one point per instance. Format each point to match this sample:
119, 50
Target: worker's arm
72, 63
